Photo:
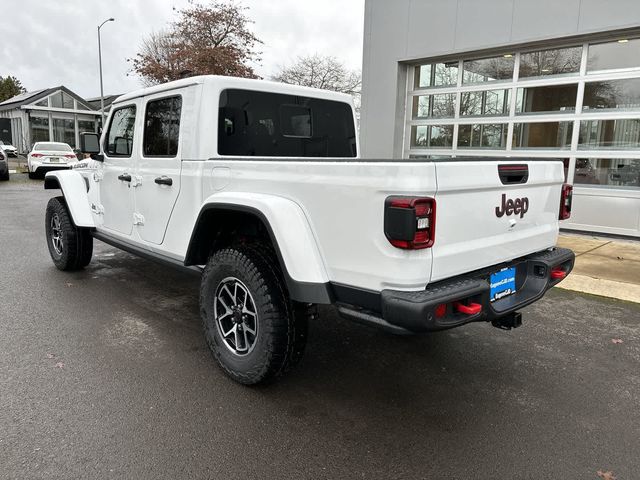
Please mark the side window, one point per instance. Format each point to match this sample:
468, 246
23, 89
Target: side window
162, 127
264, 124
120, 135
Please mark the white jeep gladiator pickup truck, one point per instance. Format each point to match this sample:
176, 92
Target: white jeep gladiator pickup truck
258, 186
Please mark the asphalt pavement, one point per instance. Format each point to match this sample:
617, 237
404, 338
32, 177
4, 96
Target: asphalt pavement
105, 374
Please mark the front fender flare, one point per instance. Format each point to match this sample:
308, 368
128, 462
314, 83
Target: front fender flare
291, 235
75, 194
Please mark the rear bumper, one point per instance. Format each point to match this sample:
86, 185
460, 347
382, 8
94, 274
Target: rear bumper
43, 169
414, 312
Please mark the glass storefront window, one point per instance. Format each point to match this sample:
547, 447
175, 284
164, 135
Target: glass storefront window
483, 136
488, 102
609, 134
552, 135
420, 136
64, 131
553, 99
86, 126
434, 136
442, 106
609, 172
437, 75
488, 69
621, 54
560, 61
61, 100
39, 129
612, 94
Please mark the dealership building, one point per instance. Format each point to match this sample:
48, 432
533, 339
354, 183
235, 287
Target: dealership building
51, 114
512, 79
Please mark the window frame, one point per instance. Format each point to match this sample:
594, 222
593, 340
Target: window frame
108, 130
582, 78
355, 146
144, 125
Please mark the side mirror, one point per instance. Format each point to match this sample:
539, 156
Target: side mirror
89, 143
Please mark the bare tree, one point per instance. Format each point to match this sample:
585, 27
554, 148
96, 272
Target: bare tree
212, 38
324, 72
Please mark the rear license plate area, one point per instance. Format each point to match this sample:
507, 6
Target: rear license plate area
503, 284
54, 160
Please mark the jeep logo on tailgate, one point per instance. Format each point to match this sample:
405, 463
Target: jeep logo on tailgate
519, 206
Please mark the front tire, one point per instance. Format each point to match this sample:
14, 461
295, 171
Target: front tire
71, 248
255, 332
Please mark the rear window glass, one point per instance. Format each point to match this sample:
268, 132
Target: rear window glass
266, 124
53, 147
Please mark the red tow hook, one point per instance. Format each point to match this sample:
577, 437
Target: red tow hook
471, 309
558, 274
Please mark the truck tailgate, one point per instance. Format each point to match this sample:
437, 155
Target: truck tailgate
482, 222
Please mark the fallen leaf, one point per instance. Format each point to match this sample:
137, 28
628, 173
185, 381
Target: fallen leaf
616, 341
50, 355
69, 284
60, 365
606, 475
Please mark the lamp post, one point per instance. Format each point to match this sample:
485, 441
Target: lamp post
100, 61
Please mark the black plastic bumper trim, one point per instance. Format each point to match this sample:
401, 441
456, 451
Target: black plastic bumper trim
415, 311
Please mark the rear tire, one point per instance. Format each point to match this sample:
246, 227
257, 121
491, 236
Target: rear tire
71, 248
5, 177
255, 332
32, 175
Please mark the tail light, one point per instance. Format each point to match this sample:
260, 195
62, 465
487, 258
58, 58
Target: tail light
566, 200
70, 156
410, 222
37, 155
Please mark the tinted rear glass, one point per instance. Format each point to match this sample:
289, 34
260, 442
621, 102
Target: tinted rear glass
265, 124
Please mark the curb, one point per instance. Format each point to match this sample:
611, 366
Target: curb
628, 292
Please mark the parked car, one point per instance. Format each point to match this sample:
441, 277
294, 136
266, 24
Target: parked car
48, 156
258, 187
4, 166
9, 149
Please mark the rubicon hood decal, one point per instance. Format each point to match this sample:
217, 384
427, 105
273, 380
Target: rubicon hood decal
519, 206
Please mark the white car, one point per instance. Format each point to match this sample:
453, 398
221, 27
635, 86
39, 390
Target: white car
9, 149
261, 184
48, 156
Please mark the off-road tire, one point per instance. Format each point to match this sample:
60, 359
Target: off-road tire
76, 247
282, 324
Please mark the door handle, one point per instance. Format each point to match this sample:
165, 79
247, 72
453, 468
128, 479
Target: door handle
163, 180
125, 177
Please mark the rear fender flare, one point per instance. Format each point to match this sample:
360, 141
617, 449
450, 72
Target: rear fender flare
74, 190
291, 236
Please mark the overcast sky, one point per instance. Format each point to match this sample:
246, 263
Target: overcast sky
54, 42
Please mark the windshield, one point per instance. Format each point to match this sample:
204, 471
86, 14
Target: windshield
53, 147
